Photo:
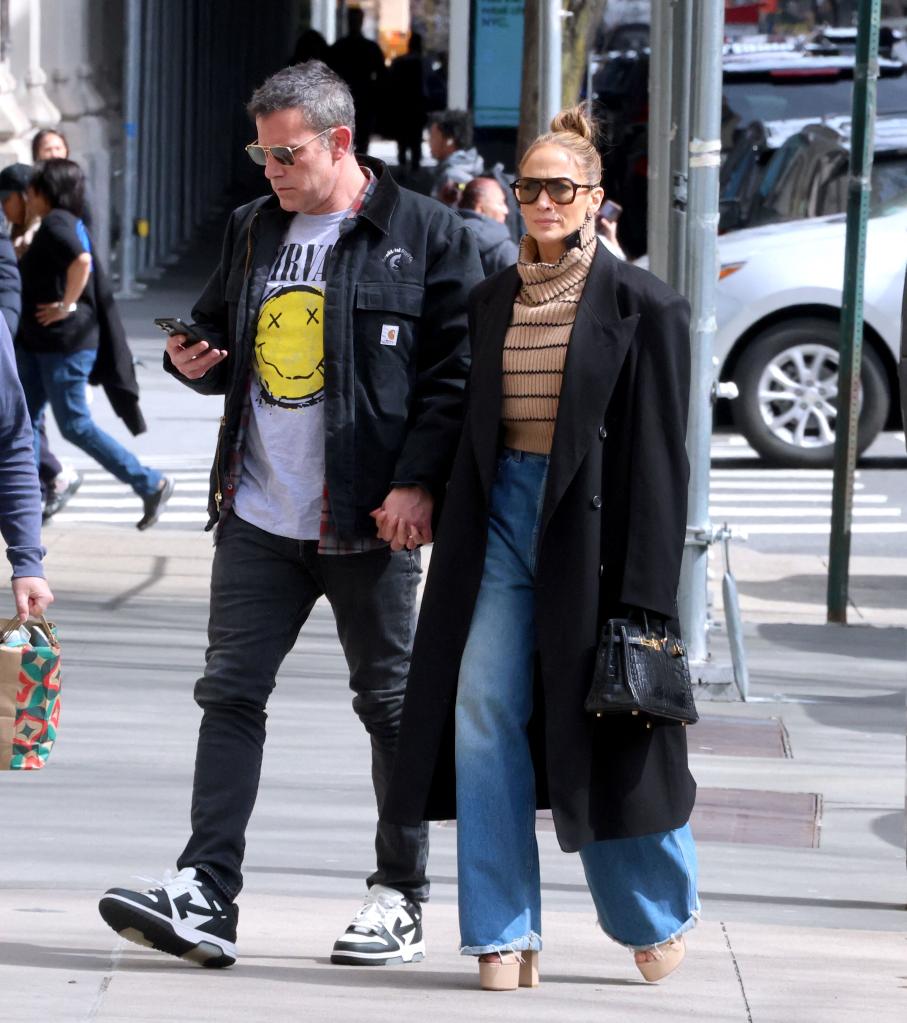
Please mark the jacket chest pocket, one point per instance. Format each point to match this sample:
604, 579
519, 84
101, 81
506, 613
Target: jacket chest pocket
386, 317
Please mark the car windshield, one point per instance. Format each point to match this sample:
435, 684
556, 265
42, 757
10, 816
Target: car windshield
784, 98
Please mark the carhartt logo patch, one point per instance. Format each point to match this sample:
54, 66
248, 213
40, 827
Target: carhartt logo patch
389, 334
395, 258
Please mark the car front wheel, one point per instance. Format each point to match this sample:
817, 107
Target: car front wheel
788, 383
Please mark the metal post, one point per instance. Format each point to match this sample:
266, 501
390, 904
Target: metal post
549, 61
132, 70
659, 172
681, 82
866, 71
701, 259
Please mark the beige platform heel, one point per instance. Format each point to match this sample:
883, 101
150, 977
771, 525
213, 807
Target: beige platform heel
670, 956
506, 971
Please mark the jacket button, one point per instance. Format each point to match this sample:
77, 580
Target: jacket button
596, 501
601, 571
602, 432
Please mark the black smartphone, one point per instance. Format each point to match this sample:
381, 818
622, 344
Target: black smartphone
174, 325
610, 210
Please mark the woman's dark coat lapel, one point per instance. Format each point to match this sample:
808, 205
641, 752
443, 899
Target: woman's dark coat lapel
598, 347
490, 327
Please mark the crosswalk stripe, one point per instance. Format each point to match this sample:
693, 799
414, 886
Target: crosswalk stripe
775, 512
816, 528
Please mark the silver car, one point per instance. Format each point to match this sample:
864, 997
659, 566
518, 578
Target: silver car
779, 304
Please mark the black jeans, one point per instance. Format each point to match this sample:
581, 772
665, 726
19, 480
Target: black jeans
263, 588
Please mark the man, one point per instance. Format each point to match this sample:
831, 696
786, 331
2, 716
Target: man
406, 98
360, 63
449, 136
23, 223
335, 327
483, 207
20, 497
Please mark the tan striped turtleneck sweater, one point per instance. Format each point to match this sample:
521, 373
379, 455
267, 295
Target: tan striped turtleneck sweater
535, 347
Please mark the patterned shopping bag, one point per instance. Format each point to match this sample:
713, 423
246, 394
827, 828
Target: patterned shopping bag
29, 693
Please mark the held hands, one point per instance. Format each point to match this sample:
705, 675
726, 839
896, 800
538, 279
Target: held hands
404, 518
32, 596
193, 361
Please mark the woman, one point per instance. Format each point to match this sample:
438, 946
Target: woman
566, 507
49, 144
58, 332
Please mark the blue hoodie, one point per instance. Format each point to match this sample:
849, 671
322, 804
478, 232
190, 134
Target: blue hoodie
20, 495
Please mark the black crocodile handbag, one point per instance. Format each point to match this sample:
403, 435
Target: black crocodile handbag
638, 671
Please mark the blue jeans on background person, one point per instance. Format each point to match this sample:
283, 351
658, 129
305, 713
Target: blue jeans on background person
644, 889
60, 380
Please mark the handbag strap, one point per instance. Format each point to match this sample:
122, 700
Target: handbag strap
14, 624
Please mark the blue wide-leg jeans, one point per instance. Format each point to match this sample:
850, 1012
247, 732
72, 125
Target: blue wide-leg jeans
644, 889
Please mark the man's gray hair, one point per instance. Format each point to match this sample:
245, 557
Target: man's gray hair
321, 96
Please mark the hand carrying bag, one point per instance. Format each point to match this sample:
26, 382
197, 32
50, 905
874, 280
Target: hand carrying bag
29, 693
638, 671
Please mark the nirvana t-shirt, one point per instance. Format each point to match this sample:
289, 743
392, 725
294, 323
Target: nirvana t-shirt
59, 240
282, 481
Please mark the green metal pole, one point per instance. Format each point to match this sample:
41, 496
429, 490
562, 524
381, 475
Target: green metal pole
866, 71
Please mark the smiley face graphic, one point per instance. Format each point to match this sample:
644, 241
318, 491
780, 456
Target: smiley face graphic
289, 347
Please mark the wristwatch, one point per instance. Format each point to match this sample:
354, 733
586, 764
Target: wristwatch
64, 308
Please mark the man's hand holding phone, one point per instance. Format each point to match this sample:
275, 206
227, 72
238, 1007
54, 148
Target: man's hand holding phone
191, 355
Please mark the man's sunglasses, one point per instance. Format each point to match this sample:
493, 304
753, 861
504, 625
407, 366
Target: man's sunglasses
560, 190
282, 154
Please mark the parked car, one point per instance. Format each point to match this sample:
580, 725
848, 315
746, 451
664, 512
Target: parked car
768, 86
778, 310
784, 170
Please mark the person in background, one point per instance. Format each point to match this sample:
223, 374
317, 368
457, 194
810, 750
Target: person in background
360, 63
49, 144
566, 507
483, 207
58, 332
59, 483
407, 103
450, 142
311, 45
52, 144
22, 221
20, 497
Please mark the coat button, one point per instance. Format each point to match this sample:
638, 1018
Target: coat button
596, 501
601, 571
602, 432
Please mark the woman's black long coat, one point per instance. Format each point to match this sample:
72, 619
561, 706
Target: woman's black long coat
612, 533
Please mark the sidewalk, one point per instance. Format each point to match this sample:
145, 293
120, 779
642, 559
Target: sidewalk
803, 919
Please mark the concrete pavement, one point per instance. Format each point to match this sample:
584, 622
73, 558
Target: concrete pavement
789, 930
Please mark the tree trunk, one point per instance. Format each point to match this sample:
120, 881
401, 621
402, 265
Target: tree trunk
529, 94
578, 32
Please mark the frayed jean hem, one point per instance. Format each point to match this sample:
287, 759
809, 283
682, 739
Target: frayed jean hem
532, 942
656, 946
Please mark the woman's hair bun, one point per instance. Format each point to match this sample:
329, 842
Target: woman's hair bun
576, 121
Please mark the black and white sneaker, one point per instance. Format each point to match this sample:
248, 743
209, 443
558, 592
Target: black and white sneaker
184, 916
387, 930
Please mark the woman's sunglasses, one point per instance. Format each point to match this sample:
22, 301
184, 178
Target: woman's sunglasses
560, 190
282, 154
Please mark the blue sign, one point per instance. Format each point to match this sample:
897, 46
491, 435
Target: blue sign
497, 62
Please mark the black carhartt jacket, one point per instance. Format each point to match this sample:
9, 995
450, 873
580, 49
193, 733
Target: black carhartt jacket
392, 412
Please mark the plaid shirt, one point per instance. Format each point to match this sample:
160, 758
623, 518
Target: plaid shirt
329, 542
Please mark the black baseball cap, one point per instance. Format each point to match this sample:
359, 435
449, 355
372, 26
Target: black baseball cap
15, 178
